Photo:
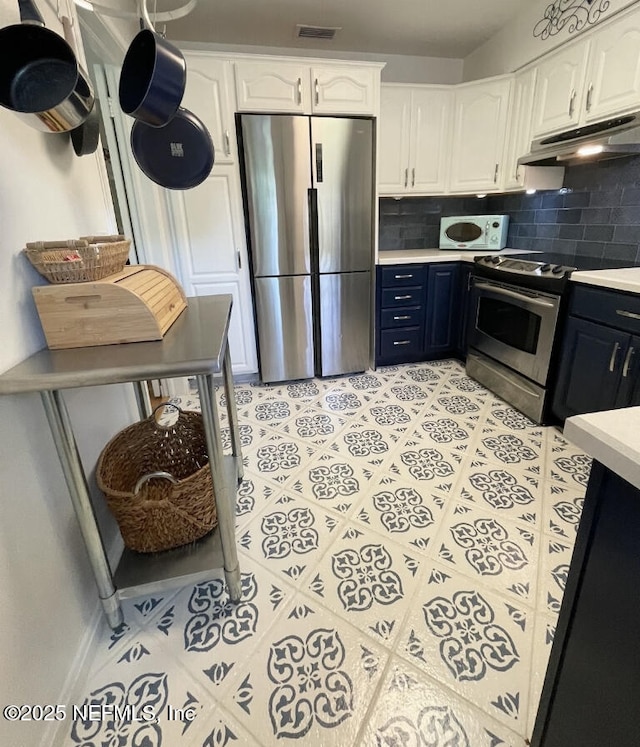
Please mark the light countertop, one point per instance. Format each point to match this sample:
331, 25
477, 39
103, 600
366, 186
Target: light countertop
624, 279
417, 256
612, 437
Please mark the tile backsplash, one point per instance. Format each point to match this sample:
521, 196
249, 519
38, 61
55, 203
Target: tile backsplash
597, 213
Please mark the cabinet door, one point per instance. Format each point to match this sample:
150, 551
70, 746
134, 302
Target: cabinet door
629, 391
272, 87
478, 135
519, 134
590, 368
210, 248
613, 79
207, 95
393, 139
430, 139
443, 306
344, 90
558, 96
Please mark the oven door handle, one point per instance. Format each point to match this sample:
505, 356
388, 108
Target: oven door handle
514, 294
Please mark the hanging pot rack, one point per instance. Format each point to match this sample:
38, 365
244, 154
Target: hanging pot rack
163, 17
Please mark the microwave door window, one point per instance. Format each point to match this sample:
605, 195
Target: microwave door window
463, 233
511, 325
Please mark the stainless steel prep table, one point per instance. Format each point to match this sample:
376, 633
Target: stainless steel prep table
196, 345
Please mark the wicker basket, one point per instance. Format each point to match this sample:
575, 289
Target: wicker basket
157, 482
77, 260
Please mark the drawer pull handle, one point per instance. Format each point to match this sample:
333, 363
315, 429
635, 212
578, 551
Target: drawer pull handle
614, 355
402, 298
401, 318
627, 361
402, 342
628, 314
403, 277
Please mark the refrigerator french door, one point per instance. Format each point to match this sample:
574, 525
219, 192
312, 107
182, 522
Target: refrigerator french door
308, 185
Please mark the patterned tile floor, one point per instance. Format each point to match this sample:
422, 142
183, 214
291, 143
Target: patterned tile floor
404, 539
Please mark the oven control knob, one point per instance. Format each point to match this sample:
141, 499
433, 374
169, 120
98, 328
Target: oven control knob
557, 269
545, 268
495, 260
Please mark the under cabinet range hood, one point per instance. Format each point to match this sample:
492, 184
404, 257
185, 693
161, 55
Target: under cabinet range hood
611, 138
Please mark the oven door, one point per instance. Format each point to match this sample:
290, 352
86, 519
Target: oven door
515, 326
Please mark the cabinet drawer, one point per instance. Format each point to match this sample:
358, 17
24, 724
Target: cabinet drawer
410, 317
400, 275
398, 343
620, 310
392, 297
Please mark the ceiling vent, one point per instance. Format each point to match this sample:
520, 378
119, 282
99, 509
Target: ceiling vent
326, 33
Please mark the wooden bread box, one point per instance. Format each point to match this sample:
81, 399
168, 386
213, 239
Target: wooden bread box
140, 303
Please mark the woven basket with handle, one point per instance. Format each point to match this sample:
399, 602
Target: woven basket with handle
157, 482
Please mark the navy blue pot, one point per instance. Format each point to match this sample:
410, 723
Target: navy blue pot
179, 155
152, 80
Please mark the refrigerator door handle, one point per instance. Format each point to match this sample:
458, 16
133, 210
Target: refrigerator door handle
319, 176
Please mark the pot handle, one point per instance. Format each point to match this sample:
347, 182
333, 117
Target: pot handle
145, 19
29, 13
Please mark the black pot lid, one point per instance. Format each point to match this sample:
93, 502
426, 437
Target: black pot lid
179, 155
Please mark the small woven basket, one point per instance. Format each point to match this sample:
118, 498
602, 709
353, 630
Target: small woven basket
157, 482
77, 260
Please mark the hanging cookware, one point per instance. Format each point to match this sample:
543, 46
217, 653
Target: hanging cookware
85, 137
179, 155
153, 76
40, 79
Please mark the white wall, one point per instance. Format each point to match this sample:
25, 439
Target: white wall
47, 590
515, 45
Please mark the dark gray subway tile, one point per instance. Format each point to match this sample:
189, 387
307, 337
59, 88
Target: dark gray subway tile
598, 233
562, 246
569, 215
523, 216
591, 248
592, 215
548, 230
546, 216
627, 234
571, 231
631, 196
606, 198
553, 200
625, 215
620, 251
576, 199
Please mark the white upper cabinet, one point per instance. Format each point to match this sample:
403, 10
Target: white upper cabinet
517, 177
479, 129
344, 90
559, 90
591, 79
208, 96
295, 87
413, 139
613, 75
272, 86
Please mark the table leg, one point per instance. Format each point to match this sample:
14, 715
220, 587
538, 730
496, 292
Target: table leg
143, 399
65, 443
232, 412
224, 491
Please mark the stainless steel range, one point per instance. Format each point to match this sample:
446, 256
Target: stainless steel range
514, 314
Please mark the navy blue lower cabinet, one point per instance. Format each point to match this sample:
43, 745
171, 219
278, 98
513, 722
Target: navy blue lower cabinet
591, 368
464, 286
592, 686
442, 323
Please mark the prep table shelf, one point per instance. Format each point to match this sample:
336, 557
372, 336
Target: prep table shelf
196, 346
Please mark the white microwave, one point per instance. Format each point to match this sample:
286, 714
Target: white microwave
474, 232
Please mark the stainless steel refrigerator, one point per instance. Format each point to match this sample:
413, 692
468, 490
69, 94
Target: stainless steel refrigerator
308, 184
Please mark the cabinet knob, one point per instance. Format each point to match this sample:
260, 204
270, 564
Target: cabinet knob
317, 91
572, 102
299, 91
227, 143
406, 177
